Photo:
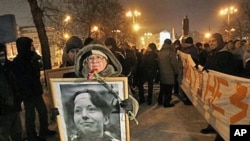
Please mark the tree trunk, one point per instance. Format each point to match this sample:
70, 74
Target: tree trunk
37, 14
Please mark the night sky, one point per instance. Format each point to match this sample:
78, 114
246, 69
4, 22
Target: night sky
156, 15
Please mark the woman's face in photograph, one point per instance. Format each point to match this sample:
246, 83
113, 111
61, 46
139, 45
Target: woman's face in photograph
87, 117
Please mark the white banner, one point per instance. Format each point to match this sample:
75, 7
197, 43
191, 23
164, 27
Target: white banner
222, 99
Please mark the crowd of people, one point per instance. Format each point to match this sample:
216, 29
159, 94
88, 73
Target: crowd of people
20, 78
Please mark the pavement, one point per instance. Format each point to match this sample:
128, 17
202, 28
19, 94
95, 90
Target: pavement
156, 123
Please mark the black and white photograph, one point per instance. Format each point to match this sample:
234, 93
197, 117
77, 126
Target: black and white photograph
89, 110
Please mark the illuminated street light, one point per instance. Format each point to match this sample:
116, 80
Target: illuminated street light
136, 27
207, 35
95, 28
67, 19
228, 12
134, 15
95, 31
65, 22
66, 36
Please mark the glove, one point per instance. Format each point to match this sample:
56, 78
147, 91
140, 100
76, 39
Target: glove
54, 113
126, 104
205, 69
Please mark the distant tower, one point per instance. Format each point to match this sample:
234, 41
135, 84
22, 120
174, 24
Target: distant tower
185, 26
173, 38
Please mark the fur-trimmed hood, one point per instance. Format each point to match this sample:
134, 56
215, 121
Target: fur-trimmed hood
113, 67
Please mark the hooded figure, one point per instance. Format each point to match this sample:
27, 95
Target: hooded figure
96, 56
97, 52
27, 74
23, 45
72, 47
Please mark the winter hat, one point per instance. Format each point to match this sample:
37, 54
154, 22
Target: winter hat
189, 40
73, 42
94, 52
23, 45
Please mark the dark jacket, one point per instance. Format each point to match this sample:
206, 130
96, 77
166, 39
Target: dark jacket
148, 65
10, 99
27, 73
221, 61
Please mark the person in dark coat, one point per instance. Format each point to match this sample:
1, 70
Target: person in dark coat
221, 60
148, 69
119, 54
72, 47
168, 70
10, 101
27, 74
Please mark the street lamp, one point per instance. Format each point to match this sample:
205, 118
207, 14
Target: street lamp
65, 22
135, 26
95, 30
134, 15
67, 18
228, 11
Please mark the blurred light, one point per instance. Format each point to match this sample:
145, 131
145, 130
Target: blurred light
164, 35
66, 36
67, 18
95, 28
136, 27
207, 35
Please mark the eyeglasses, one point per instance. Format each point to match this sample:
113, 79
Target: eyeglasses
96, 57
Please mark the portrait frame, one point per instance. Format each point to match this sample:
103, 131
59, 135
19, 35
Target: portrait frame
114, 88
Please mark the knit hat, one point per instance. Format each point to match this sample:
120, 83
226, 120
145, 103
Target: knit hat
189, 40
73, 43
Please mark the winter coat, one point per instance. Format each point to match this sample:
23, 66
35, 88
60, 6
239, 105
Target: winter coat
167, 64
27, 73
221, 61
10, 99
148, 65
193, 51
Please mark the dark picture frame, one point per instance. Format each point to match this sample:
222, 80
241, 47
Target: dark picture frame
63, 90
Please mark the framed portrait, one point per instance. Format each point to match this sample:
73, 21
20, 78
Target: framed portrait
90, 109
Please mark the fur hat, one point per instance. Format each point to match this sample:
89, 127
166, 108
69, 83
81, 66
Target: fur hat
81, 68
189, 40
73, 42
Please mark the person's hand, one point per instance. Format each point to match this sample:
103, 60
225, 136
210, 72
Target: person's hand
126, 104
54, 113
